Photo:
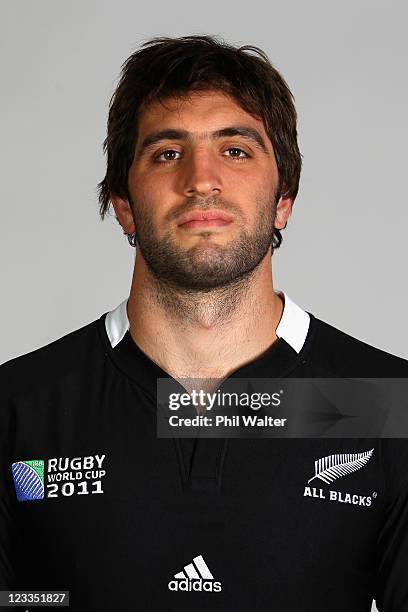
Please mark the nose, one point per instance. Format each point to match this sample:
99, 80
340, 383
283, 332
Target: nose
201, 175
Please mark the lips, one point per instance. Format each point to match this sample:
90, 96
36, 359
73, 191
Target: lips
204, 215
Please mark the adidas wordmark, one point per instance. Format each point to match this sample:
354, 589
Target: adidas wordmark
196, 576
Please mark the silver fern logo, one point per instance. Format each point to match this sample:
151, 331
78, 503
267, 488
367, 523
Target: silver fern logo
332, 467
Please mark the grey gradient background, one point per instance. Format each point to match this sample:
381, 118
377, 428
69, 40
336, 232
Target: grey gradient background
344, 251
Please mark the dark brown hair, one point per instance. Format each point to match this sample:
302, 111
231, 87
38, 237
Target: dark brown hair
167, 67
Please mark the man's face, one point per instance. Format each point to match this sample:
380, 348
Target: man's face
202, 155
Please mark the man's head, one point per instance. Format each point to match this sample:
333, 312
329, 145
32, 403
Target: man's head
196, 125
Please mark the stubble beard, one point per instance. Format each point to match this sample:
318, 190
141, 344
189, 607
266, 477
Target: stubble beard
207, 266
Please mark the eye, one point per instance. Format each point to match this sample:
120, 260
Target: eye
167, 153
236, 154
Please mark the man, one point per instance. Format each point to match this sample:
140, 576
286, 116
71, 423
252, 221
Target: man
202, 171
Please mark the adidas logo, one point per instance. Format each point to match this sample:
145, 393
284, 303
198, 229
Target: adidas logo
195, 577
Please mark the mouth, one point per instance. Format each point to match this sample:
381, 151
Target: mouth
201, 218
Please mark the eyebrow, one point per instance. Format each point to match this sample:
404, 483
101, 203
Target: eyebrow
173, 134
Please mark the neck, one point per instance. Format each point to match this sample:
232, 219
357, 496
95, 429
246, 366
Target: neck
204, 334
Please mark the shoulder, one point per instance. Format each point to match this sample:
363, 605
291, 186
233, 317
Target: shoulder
58, 359
340, 354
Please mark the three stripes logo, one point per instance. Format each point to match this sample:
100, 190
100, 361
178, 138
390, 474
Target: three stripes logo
28, 479
196, 576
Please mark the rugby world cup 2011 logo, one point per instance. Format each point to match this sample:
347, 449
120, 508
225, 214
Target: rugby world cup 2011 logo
28, 479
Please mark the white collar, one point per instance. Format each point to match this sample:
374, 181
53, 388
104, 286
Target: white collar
294, 323
293, 326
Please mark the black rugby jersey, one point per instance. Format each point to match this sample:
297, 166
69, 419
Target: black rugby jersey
94, 503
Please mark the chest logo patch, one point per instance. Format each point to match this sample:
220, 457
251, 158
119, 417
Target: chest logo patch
37, 479
195, 576
331, 468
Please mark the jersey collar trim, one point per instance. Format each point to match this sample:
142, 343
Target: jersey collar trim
293, 326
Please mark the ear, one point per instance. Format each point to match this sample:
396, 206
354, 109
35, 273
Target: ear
283, 211
123, 213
